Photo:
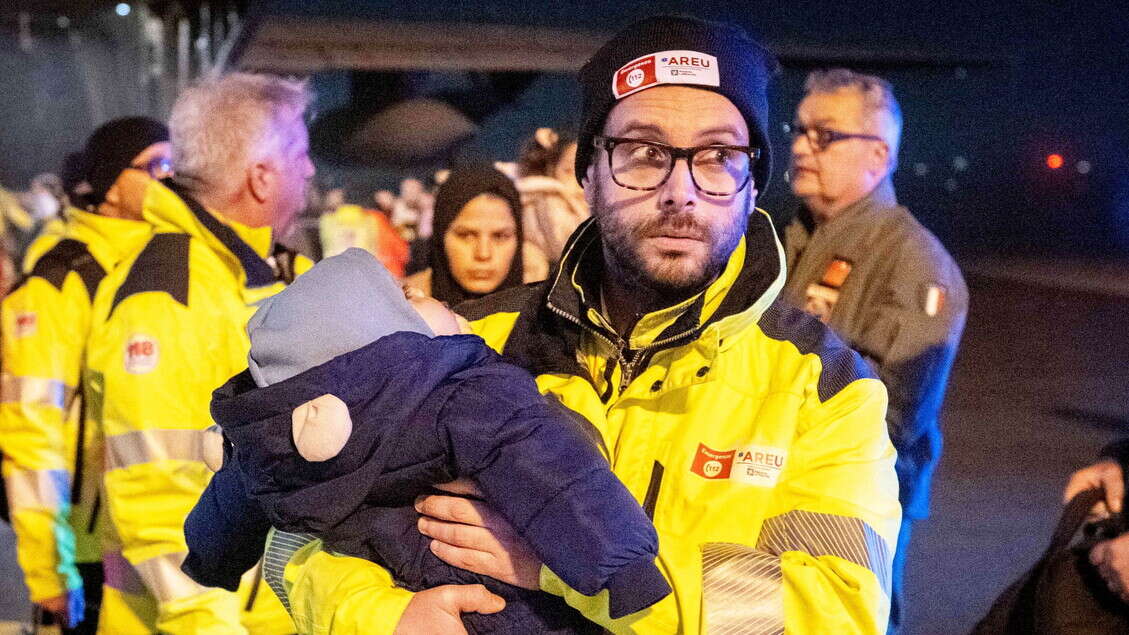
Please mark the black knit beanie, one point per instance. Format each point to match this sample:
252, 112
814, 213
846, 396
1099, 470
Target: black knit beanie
113, 146
464, 184
679, 50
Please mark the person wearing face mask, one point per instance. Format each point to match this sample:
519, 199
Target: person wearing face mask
864, 266
50, 233
51, 460
476, 247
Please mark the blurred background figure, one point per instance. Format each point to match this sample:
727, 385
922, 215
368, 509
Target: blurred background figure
349, 225
476, 247
411, 211
45, 198
52, 462
18, 227
552, 202
1109, 557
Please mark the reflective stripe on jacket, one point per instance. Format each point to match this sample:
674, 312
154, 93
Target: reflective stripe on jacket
168, 328
45, 322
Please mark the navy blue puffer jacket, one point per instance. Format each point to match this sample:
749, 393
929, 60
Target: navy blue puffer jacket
427, 411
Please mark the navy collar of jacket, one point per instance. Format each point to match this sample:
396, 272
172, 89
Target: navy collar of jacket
396, 373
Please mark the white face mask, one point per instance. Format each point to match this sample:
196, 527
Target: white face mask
43, 205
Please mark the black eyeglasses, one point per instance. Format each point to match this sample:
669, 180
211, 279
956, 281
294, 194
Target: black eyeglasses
717, 170
820, 138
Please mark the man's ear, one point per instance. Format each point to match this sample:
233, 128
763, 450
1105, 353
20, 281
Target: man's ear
880, 157
261, 180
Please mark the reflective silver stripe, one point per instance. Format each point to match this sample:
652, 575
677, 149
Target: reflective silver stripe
741, 590
165, 580
147, 446
281, 546
828, 535
120, 574
35, 390
37, 489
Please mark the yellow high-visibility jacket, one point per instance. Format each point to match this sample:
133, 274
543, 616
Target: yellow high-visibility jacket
52, 463
750, 433
169, 326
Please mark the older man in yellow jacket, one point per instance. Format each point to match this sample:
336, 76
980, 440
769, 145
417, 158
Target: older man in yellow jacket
169, 327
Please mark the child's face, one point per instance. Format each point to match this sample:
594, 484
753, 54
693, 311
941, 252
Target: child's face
439, 318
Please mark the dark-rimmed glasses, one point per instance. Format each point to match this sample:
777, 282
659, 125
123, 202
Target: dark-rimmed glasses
820, 137
716, 169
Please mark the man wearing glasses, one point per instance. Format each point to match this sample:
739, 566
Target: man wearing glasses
864, 266
52, 462
751, 435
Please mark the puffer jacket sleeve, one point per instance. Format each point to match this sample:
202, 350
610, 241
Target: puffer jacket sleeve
550, 481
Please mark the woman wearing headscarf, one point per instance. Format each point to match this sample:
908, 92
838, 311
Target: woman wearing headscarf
476, 247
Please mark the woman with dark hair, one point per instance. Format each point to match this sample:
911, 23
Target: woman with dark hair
476, 246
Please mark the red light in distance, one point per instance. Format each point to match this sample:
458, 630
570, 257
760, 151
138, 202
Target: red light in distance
1054, 161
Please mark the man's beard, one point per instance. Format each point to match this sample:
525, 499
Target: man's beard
669, 278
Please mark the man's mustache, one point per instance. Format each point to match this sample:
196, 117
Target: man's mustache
677, 225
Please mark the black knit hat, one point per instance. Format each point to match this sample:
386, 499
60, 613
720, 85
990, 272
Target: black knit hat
113, 146
678, 50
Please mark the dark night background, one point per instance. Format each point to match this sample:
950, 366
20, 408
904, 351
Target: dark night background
988, 88
998, 84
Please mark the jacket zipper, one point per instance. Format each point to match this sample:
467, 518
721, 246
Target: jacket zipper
94, 509
618, 348
254, 587
627, 367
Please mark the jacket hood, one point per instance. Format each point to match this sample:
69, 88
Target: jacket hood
394, 373
340, 305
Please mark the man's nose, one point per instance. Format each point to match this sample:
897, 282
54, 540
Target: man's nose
679, 192
801, 145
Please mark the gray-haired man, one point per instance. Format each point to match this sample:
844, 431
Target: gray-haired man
867, 268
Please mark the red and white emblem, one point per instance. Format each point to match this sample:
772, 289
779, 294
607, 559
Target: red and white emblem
665, 67
26, 324
634, 76
141, 354
711, 464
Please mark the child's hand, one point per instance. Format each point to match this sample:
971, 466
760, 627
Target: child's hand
469, 535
